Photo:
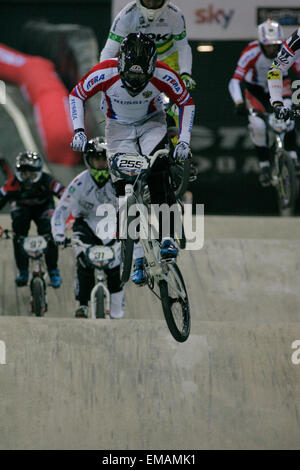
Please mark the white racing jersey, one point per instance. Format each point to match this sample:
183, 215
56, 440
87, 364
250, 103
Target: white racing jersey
120, 106
168, 31
288, 56
82, 198
252, 68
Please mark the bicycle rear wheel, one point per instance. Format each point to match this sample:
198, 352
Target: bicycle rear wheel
176, 309
127, 245
38, 296
287, 188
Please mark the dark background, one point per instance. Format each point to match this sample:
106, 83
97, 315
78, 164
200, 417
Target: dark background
226, 162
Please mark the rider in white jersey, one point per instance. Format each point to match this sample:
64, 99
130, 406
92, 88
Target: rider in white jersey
135, 117
89, 190
164, 23
252, 69
289, 56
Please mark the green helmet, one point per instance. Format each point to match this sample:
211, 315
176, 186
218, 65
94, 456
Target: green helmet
96, 148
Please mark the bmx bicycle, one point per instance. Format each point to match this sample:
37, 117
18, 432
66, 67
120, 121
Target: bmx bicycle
34, 247
283, 171
98, 257
164, 278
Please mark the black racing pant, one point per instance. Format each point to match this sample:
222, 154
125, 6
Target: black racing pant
21, 220
158, 182
85, 272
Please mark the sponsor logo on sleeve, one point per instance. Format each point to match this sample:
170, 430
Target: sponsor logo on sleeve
94, 79
174, 83
273, 75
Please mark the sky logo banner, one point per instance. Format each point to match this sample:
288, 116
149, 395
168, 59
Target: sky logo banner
212, 14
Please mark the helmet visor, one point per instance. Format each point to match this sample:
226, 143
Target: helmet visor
28, 176
135, 81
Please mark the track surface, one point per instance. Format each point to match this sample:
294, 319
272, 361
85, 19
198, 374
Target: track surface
75, 384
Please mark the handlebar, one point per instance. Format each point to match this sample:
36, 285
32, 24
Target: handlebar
293, 113
90, 146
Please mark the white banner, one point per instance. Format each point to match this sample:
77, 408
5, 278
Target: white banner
231, 19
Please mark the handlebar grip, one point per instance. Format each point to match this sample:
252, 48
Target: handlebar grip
90, 146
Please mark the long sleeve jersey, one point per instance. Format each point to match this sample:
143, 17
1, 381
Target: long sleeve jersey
82, 198
39, 193
252, 68
168, 31
288, 56
120, 106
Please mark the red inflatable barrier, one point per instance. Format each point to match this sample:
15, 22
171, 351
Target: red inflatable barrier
40, 84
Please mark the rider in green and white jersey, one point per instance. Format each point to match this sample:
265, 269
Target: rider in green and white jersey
164, 23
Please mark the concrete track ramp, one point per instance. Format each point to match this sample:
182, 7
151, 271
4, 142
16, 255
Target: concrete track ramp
75, 384
128, 385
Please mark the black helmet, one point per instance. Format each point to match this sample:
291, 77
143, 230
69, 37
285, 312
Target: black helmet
137, 59
96, 148
29, 166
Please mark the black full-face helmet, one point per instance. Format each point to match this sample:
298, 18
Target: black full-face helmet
29, 167
137, 59
96, 150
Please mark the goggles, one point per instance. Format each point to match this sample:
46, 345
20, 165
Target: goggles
100, 176
29, 176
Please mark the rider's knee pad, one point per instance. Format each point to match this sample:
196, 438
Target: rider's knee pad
258, 131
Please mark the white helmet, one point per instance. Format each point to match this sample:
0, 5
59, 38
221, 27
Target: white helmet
151, 14
270, 32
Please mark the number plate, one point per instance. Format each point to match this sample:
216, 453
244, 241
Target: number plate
131, 164
34, 245
100, 256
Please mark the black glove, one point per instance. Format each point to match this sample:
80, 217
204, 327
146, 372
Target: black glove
240, 109
281, 112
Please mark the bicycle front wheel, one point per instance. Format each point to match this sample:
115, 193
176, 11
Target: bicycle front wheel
100, 310
180, 175
287, 188
38, 296
175, 307
127, 245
